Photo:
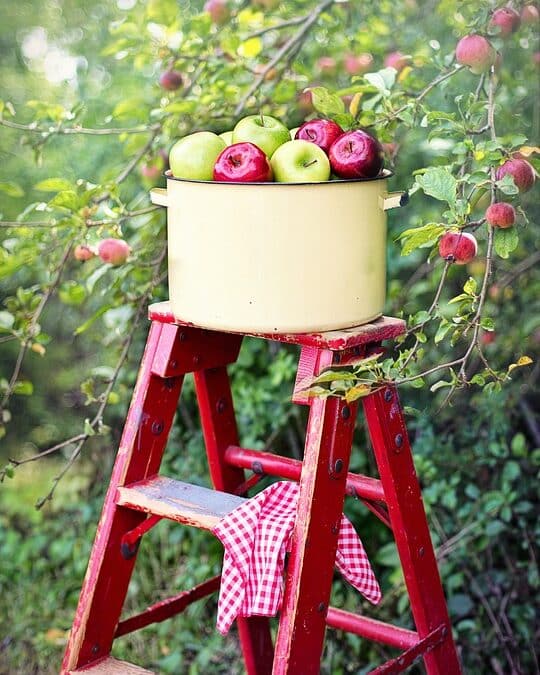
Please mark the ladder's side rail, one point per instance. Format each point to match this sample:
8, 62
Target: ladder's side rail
386, 426
107, 578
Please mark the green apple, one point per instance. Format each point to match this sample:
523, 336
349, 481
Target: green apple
300, 162
292, 132
227, 137
266, 132
193, 157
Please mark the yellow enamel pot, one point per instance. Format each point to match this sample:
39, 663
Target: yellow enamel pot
277, 257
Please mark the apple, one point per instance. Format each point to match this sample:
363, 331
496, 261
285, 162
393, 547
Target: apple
357, 64
396, 60
227, 137
218, 10
300, 162
356, 154
264, 131
530, 14
505, 20
501, 214
520, 170
536, 58
243, 163
321, 132
193, 157
327, 65
476, 52
458, 247
305, 101
83, 252
488, 337
114, 251
153, 168
171, 80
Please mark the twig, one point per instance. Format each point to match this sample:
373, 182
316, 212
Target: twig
277, 26
64, 131
297, 39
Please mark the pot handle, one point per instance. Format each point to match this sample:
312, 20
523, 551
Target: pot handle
393, 199
158, 196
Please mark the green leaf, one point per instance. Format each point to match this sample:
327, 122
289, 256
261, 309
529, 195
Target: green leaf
326, 103
487, 323
53, 185
66, 199
72, 293
470, 286
420, 237
11, 189
443, 328
506, 240
88, 428
6, 320
438, 182
383, 80
507, 185
23, 388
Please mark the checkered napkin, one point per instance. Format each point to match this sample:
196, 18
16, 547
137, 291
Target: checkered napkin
256, 536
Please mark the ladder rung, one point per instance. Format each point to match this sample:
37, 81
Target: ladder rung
110, 666
183, 502
372, 629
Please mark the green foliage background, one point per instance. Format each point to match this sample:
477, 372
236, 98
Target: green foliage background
477, 456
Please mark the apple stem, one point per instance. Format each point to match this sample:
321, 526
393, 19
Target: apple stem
350, 146
262, 119
313, 161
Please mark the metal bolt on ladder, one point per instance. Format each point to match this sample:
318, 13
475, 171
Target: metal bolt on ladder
138, 497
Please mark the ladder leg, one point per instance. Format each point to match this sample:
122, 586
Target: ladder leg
107, 578
310, 568
219, 428
390, 442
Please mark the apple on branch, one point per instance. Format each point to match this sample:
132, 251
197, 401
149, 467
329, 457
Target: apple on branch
114, 251
266, 132
505, 21
321, 132
243, 163
458, 247
521, 171
300, 162
476, 52
218, 10
501, 214
193, 157
357, 64
356, 154
171, 80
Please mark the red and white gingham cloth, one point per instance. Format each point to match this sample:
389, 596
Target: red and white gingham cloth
256, 536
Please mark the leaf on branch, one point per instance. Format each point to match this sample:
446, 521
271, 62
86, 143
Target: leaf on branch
53, 185
383, 80
506, 240
470, 286
23, 388
420, 237
507, 185
325, 102
251, 48
439, 183
359, 391
522, 361
11, 189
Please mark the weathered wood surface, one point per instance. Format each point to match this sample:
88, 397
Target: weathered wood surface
384, 328
182, 502
110, 666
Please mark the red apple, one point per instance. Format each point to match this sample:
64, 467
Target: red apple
171, 80
327, 65
505, 21
218, 10
356, 154
488, 337
321, 132
501, 214
356, 64
114, 251
396, 60
476, 52
520, 170
242, 163
536, 58
530, 14
83, 253
305, 101
458, 247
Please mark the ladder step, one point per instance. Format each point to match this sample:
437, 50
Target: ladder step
182, 502
110, 666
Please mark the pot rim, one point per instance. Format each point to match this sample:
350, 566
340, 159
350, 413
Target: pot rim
386, 173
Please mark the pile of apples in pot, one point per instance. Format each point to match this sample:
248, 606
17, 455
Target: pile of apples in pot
261, 149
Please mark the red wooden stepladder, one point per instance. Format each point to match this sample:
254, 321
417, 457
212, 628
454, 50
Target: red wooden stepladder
138, 497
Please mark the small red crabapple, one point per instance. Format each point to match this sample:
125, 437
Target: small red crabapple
114, 251
458, 247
